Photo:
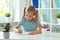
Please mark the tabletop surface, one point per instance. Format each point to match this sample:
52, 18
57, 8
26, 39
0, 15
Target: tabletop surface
54, 36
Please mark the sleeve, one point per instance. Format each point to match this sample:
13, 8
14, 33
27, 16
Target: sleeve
21, 22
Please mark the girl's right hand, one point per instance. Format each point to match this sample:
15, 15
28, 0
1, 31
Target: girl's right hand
19, 31
17, 26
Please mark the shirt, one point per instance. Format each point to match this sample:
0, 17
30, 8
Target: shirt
28, 26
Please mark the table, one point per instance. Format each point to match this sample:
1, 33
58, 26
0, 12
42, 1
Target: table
16, 36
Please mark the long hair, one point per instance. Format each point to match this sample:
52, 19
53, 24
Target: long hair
31, 8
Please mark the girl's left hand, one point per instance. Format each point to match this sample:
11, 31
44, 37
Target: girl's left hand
19, 31
32, 33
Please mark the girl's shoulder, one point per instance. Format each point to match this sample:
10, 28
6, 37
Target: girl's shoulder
22, 20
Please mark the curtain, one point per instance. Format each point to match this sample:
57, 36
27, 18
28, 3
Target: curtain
14, 9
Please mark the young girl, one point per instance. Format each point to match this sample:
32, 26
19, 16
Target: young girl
29, 21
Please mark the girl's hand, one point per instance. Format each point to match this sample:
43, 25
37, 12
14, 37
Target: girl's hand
32, 33
19, 31
18, 26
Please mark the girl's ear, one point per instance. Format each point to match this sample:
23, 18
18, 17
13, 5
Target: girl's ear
34, 16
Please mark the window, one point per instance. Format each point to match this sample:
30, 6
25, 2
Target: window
43, 3
4, 7
15, 7
11, 6
56, 3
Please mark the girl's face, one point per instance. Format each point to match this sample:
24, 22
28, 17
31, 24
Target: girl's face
29, 15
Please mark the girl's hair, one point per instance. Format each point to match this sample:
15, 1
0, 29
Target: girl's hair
31, 8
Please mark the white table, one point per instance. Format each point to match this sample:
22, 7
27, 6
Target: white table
54, 36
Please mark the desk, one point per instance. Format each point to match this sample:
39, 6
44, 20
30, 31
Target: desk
54, 36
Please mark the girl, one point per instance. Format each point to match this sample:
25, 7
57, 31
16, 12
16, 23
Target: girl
30, 21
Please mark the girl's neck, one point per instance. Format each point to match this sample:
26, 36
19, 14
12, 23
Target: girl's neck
29, 20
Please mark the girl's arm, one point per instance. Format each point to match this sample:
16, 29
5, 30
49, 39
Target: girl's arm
19, 28
36, 31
